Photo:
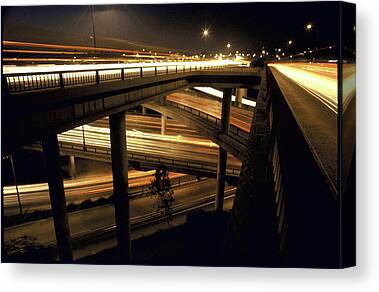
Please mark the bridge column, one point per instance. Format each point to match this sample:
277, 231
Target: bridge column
221, 176
143, 110
163, 124
240, 93
120, 185
225, 111
57, 197
222, 156
71, 167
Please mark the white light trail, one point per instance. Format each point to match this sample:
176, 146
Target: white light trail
8, 69
218, 93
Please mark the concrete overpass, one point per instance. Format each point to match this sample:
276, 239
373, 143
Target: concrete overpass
49, 103
284, 202
44, 104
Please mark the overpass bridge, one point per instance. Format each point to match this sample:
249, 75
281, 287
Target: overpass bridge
52, 102
285, 196
192, 159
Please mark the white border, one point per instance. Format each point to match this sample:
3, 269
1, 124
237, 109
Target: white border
365, 277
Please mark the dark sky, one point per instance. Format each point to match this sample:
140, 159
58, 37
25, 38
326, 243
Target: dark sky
176, 26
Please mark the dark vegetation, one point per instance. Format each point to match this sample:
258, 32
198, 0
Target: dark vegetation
198, 242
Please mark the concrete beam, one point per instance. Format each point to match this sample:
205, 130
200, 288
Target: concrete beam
240, 94
222, 156
208, 129
225, 110
120, 185
57, 197
143, 110
71, 167
163, 124
221, 176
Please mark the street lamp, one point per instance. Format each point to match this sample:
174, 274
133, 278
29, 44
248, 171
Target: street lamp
205, 33
93, 36
228, 45
290, 42
309, 27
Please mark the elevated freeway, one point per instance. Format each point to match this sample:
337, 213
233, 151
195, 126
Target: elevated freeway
40, 103
205, 117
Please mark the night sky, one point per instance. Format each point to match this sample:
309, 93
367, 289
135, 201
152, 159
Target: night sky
247, 26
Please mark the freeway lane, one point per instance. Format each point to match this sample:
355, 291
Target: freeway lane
157, 145
240, 118
133, 67
152, 124
319, 80
91, 219
190, 146
36, 196
316, 118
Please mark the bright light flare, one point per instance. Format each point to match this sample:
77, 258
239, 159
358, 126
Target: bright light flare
309, 26
219, 94
9, 69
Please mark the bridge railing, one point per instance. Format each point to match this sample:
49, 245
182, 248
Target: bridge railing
23, 82
233, 129
305, 205
140, 157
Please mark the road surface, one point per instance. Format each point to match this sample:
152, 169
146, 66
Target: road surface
90, 220
36, 196
310, 90
241, 118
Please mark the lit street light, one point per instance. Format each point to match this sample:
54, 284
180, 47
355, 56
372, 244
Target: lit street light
309, 27
205, 35
228, 45
205, 32
290, 42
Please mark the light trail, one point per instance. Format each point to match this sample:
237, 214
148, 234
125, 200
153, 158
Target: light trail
99, 136
76, 183
36, 196
219, 94
318, 79
8, 69
240, 118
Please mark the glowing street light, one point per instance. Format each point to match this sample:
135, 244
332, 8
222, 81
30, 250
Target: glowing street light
205, 33
309, 27
290, 42
228, 45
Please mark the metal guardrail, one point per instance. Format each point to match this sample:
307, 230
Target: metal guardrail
233, 129
23, 82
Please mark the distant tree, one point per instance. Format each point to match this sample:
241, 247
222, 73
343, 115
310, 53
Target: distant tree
161, 189
26, 249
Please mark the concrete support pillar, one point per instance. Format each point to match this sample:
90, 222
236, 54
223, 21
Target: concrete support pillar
222, 157
221, 176
143, 110
225, 111
120, 185
71, 167
163, 124
57, 197
240, 93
